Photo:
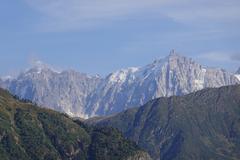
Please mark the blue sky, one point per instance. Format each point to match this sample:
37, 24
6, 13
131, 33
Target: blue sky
95, 36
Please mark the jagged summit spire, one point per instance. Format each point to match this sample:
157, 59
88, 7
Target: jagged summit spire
172, 52
174, 55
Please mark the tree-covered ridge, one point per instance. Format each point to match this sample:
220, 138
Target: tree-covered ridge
28, 132
204, 125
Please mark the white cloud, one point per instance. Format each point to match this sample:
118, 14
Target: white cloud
220, 56
77, 14
206, 11
236, 57
37, 63
34, 61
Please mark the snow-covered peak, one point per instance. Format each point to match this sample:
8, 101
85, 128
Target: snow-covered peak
173, 57
40, 68
172, 60
121, 75
153, 69
79, 94
37, 71
5, 78
238, 76
173, 53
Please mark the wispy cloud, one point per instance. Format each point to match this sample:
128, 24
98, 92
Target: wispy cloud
35, 62
235, 57
203, 11
77, 14
218, 56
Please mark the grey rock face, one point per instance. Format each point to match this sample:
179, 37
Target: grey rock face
81, 95
65, 91
174, 75
237, 74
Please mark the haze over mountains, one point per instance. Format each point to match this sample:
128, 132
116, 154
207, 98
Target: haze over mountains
85, 96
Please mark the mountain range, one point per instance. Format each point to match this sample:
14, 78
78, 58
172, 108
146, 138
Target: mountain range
203, 125
81, 95
66, 91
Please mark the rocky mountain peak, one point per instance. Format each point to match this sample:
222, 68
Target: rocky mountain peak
176, 61
121, 75
38, 70
82, 95
174, 55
